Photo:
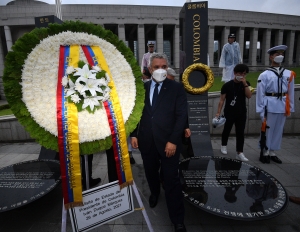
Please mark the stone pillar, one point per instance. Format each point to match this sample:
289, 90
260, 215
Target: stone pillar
176, 46
290, 50
141, 42
265, 46
159, 38
240, 37
8, 37
211, 45
298, 50
121, 32
225, 33
278, 37
253, 46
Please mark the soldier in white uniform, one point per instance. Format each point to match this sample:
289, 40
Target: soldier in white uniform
230, 57
275, 94
146, 56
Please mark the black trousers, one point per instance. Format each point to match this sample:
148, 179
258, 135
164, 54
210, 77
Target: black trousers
239, 121
90, 166
153, 161
111, 165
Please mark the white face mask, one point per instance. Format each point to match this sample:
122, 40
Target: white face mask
159, 75
278, 59
238, 78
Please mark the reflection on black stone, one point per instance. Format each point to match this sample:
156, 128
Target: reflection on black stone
260, 192
231, 188
234, 183
25, 182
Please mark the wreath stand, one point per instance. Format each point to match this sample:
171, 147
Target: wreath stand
135, 190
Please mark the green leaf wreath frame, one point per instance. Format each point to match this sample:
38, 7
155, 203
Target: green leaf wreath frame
14, 63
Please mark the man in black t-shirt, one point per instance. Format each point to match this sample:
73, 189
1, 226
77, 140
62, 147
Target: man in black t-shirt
234, 94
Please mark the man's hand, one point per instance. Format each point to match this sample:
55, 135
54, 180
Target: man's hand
187, 132
134, 142
170, 149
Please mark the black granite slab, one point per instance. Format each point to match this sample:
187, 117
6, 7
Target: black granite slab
231, 188
25, 182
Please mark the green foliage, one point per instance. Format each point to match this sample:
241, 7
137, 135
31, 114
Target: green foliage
15, 60
5, 112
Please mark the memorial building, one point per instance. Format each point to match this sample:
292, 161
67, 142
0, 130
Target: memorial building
136, 25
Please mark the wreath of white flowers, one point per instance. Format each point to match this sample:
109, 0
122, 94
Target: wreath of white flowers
39, 80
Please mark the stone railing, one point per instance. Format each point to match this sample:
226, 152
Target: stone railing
11, 130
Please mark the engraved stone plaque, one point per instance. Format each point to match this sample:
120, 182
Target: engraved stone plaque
28, 181
231, 188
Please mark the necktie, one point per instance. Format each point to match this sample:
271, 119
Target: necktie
155, 95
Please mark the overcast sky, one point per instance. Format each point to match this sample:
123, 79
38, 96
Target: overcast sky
291, 7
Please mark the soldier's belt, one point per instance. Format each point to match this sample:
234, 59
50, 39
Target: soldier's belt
275, 94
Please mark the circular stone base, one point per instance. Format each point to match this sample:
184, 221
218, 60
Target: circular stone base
231, 188
25, 182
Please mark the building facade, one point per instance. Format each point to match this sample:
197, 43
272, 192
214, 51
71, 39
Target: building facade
135, 25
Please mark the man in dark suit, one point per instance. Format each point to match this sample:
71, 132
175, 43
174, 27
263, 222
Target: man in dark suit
158, 137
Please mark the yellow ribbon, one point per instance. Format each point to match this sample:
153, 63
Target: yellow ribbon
125, 160
73, 137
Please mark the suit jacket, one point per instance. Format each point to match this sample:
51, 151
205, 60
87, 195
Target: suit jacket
166, 121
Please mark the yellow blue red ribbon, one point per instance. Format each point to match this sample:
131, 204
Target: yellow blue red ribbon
68, 136
95, 57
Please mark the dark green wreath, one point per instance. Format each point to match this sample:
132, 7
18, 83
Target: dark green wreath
15, 60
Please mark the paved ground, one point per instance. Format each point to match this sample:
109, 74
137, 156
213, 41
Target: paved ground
45, 214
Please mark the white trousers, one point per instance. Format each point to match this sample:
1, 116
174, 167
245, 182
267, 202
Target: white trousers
274, 133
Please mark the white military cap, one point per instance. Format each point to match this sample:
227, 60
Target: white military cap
151, 43
277, 48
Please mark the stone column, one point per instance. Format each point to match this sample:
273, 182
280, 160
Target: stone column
240, 37
278, 37
159, 38
211, 45
265, 45
121, 32
141, 42
298, 50
176, 46
224, 39
8, 37
253, 46
290, 50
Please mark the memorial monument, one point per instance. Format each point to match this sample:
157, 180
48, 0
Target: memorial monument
218, 185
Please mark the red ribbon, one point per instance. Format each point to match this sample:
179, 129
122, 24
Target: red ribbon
60, 124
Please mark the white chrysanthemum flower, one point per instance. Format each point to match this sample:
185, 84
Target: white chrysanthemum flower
70, 70
64, 81
75, 98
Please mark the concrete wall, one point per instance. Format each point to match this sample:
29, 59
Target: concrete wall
11, 130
